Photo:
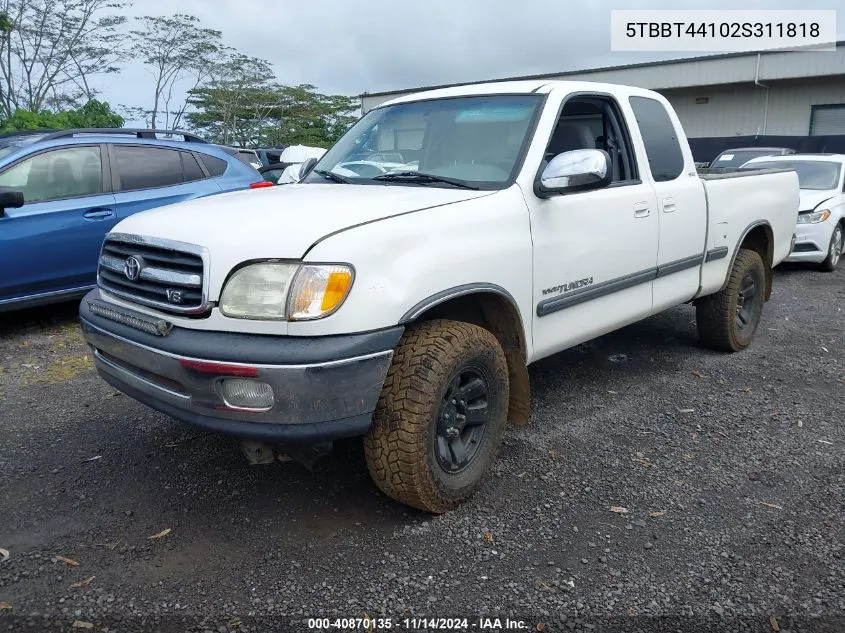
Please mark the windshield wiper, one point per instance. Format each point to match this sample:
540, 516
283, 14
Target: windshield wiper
330, 175
419, 177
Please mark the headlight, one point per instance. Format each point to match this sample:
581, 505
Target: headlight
813, 218
258, 291
285, 291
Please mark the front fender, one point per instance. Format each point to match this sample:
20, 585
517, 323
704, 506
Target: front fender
403, 261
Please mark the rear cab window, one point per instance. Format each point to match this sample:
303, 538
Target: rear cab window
663, 149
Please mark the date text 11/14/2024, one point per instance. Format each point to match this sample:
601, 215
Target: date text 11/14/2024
421, 624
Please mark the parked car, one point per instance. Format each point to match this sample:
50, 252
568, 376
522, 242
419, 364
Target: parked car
272, 172
269, 156
247, 156
821, 220
295, 157
406, 307
740, 155
64, 190
287, 169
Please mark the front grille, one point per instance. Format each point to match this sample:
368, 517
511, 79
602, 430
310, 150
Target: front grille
162, 274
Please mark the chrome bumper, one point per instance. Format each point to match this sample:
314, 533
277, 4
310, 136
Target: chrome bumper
311, 401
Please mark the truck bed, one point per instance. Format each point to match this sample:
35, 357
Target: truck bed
719, 173
737, 199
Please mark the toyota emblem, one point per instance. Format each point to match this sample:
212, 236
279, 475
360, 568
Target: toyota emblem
132, 268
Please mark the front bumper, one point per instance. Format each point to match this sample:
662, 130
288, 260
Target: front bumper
812, 242
323, 387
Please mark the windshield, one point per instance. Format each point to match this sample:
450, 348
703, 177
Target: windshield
736, 159
815, 175
475, 141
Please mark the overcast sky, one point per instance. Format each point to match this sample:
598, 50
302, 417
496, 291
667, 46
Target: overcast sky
355, 46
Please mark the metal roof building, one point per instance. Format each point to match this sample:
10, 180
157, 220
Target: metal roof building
784, 93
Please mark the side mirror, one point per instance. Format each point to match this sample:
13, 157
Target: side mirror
10, 199
576, 170
306, 168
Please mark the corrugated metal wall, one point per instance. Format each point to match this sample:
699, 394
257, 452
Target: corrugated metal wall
797, 79
741, 109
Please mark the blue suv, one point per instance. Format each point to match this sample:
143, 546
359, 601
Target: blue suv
61, 192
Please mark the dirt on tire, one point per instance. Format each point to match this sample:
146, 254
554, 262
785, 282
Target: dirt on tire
399, 447
716, 313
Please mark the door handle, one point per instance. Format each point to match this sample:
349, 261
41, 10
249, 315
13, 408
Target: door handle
668, 205
641, 210
98, 214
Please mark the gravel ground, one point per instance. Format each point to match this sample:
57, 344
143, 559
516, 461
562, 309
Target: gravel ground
660, 486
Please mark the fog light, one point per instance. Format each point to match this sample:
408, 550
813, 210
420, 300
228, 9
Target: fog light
247, 394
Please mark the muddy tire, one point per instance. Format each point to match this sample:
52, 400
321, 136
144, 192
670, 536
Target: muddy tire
834, 249
728, 319
440, 417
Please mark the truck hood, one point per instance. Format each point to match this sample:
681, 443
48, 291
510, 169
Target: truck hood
810, 198
282, 221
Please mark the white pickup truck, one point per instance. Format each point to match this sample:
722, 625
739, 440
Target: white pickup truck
522, 219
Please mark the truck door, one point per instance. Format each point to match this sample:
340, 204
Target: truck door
681, 205
595, 252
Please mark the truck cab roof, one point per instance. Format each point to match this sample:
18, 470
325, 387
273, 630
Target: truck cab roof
519, 87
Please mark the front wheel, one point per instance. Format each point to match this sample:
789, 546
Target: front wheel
834, 250
440, 417
728, 319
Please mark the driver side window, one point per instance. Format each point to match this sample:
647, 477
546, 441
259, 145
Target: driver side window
594, 122
63, 173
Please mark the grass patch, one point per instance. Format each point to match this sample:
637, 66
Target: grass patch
67, 369
67, 334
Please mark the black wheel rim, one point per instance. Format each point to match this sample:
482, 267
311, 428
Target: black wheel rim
746, 303
462, 420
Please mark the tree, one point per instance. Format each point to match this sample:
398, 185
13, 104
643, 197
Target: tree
174, 49
50, 50
245, 107
135, 113
310, 118
92, 114
234, 103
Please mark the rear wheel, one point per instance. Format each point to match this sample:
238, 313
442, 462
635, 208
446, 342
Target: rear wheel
834, 250
728, 319
440, 417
